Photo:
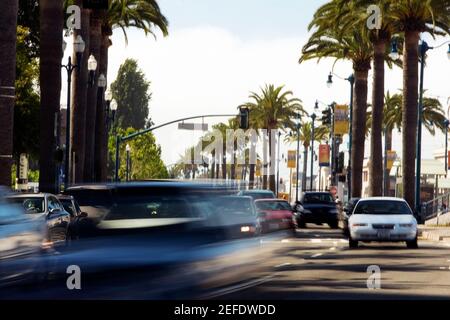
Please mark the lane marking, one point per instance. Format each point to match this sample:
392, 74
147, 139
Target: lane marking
316, 240
442, 268
316, 255
285, 240
333, 248
283, 265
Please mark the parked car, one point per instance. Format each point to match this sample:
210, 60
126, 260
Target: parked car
345, 214
257, 194
317, 208
46, 206
382, 219
275, 214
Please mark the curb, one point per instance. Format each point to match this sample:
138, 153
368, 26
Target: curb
435, 236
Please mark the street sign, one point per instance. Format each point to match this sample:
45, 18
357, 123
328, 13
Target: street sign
193, 126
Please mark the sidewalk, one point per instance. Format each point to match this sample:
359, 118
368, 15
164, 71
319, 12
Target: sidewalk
434, 233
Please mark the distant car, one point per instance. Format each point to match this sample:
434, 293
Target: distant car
346, 212
257, 194
275, 214
382, 219
48, 207
317, 208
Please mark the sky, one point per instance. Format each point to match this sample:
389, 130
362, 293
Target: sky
217, 52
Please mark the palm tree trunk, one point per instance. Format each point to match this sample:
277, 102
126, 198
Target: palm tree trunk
91, 112
388, 147
265, 163
409, 114
252, 165
8, 26
359, 127
224, 163
213, 164
51, 20
101, 136
376, 148
233, 164
79, 100
305, 168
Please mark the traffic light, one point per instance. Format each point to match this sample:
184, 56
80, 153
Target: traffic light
340, 164
326, 117
244, 114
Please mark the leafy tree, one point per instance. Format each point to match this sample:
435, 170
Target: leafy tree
131, 91
26, 113
28, 17
145, 156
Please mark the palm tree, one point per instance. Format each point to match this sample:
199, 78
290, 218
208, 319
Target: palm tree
79, 99
433, 117
51, 19
8, 25
273, 109
329, 41
413, 17
320, 134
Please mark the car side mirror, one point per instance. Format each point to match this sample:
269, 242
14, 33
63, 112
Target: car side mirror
83, 215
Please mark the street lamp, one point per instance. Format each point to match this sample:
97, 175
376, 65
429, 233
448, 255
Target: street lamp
101, 82
78, 46
128, 150
394, 55
313, 117
351, 80
92, 66
446, 123
278, 163
297, 160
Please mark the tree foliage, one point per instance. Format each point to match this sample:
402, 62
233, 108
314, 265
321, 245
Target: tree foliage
146, 162
131, 91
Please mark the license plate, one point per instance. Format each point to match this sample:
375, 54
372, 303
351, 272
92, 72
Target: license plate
273, 226
384, 234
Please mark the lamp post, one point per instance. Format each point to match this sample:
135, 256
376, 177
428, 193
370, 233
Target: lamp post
313, 118
92, 66
128, 150
297, 160
446, 123
351, 80
78, 46
278, 163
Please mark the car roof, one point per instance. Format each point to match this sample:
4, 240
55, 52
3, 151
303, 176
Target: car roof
28, 195
382, 199
271, 200
65, 197
152, 183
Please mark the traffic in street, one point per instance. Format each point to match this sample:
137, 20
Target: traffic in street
196, 240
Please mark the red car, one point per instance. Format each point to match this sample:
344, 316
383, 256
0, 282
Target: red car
275, 214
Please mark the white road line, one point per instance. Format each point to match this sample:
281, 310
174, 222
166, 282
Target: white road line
316, 240
239, 287
283, 265
316, 255
333, 248
442, 268
285, 240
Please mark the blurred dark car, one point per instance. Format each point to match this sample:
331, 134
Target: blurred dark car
235, 216
275, 214
257, 194
318, 208
77, 217
22, 241
346, 212
46, 206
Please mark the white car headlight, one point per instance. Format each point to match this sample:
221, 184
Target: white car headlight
406, 225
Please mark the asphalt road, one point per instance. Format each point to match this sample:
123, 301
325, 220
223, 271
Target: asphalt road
319, 265
315, 264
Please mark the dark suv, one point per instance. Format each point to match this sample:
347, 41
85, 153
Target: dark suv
317, 208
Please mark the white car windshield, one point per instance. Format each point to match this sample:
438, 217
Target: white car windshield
382, 207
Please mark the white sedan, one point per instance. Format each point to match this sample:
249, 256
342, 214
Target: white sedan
382, 219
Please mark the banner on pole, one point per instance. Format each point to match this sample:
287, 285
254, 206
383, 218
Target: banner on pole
391, 156
341, 119
324, 155
291, 159
258, 168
